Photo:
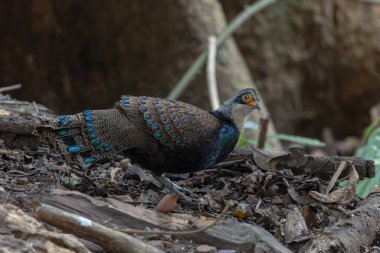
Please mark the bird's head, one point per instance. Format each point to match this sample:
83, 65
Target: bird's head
238, 107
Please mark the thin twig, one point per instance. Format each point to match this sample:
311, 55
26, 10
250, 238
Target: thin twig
336, 175
10, 87
211, 76
263, 132
227, 32
190, 232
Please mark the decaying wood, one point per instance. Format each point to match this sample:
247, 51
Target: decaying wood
17, 124
35, 237
351, 230
109, 239
299, 163
226, 235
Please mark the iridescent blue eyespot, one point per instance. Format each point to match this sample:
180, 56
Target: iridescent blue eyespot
89, 159
74, 149
174, 137
147, 116
61, 117
106, 147
160, 111
62, 132
87, 113
92, 137
170, 111
176, 123
156, 127
125, 97
164, 141
143, 102
64, 121
158, 135
168, 128
150, 123
96, 142
158, 106
172, 117
156, 100
89, 125
143, 97
88, 118
125, 102
143, 108
90, 130
185, 138
163, 118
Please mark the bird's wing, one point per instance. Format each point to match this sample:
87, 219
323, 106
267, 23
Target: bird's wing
174, 124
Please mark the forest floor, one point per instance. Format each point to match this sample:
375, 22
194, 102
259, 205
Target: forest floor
261, 201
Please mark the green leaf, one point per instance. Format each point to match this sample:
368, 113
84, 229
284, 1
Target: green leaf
298, 139
369, 130
370, 151
243, 140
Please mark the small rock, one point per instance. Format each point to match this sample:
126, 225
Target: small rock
206, 249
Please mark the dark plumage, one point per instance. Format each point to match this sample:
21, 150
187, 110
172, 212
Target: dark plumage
161, 135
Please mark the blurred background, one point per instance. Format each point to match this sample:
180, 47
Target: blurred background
315, 62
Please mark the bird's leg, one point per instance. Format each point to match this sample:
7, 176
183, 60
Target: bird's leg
174, 189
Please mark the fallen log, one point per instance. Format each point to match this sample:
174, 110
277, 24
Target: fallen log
300, 163
353, 229
109, 239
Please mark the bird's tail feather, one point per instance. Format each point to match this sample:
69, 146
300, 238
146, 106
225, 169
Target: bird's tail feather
80, 138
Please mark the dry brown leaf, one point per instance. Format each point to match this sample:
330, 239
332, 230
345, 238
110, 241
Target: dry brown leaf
342, 195
167, 203
309, 217
113, 172
295, 228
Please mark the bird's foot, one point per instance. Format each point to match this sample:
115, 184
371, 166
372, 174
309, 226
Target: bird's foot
174, 188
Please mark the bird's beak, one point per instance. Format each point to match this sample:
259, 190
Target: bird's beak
254, 105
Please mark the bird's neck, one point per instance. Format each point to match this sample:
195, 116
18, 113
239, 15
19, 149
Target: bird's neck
236, 115
228, 138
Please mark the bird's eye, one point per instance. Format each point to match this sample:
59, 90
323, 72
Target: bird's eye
246, 98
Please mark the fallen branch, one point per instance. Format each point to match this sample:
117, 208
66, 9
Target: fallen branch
10, 87
356, 228
34, 236
109, 239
